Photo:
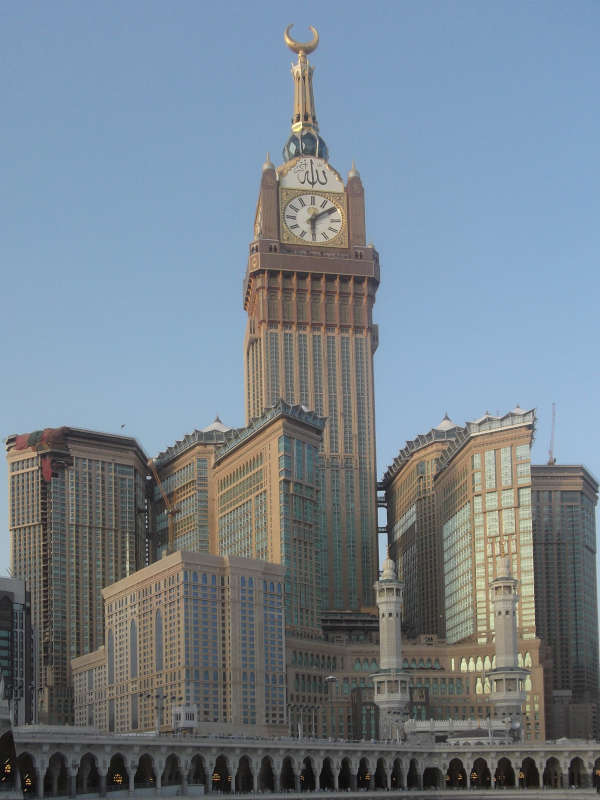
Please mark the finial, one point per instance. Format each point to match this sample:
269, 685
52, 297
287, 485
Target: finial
301, 47
304, 139
268, 163
354, 173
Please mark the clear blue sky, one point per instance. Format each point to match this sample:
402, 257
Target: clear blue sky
132, 140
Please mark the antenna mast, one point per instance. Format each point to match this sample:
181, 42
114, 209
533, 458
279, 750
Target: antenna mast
551, 459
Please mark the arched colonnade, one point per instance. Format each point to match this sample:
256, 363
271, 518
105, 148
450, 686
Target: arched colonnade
58, 774
57, 762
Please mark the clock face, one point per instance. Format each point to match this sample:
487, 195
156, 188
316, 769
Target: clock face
313, 218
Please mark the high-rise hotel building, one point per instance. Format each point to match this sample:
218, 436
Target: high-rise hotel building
309, 290
413, 538
185, 472
483, 497
77, 523
193, 641
267, 504
566, 600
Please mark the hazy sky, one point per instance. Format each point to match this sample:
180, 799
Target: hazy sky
133, 136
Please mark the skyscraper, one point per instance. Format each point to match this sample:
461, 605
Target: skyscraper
414, 543
185, 472
566, 609
483, 499
77, 523
309, 291
266, 498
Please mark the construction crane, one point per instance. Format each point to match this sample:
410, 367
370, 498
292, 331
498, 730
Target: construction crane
551, 459
169, 507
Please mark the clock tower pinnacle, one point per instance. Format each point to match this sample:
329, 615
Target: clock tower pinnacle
304, 139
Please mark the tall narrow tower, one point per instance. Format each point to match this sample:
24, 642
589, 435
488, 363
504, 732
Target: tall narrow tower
309, 291
508, 679
391, 684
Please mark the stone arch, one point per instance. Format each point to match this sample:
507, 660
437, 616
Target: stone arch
381, 781
8, 760
504, 775
345, 777
171, 775
307, 776
528, 774
326, 777
552, 774
287, 780
56, 780
88, 777
197, 774
364, 774
433, 777
596, 775
145, 777
266, 775
577, 773
221, 776
28, 773
456, 777
244, 778
480, 774
117, 776
412, 776
397, 777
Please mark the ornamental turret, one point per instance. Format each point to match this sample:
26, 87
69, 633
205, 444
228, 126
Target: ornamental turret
391, 683
508, 678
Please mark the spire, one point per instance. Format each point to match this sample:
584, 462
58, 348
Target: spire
304, 139
354, 173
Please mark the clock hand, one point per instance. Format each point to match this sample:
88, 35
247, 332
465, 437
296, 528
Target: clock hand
327, 211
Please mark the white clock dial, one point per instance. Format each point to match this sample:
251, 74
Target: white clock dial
312, 218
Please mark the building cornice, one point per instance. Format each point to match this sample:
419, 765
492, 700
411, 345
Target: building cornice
281, 410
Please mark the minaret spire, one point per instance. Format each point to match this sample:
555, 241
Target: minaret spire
305, 139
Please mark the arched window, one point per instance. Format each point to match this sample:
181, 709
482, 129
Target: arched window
111, 657
158, 642
520, 659
479, 664
133, 650
528, 659
463, 664
487, 664
471, 664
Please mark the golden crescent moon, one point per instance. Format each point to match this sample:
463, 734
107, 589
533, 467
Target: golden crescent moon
301, 47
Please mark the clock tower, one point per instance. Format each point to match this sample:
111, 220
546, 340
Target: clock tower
309, 292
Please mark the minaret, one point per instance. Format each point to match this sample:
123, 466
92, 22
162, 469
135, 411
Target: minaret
309, 291
391, 683
508, 678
